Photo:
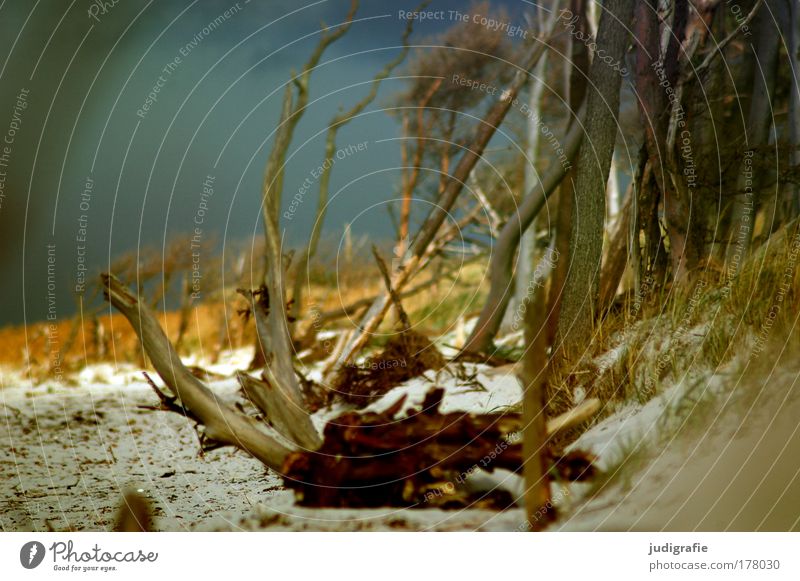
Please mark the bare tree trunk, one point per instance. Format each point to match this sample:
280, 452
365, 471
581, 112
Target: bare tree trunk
617, 256
527, 245
793, 25
280, 385
579, 306
654, 185
579, 71
185, 311
534, 437
291, 112
411, 173
99, 338
759, 121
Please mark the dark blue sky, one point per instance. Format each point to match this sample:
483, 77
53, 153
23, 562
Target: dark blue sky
87, 81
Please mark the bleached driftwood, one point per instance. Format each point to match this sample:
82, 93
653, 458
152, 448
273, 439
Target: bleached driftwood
222, 422
279, 395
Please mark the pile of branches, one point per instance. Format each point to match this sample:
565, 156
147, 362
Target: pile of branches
407, 355
424, 459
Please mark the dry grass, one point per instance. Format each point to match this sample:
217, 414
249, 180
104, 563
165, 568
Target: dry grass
213, 328
701, 326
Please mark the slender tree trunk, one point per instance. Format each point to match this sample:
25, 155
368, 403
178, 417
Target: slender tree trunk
579, 306
527, 245
292, 110
534, 437
617, 256
185, 311
792, 205
500, 268
759, 121
579, 59
655, 184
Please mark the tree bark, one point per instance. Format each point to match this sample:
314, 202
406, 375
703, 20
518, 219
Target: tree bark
617, 257
579, 306
527, 246
793, 33
272, 190
279, 395
759, 121
579, 72
534, 434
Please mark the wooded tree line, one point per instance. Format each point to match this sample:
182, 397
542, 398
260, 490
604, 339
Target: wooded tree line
712, 156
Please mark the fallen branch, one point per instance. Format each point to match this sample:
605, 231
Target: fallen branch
279, 395
574, 417
222, 422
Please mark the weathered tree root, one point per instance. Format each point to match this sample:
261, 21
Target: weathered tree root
278, 395
222, 422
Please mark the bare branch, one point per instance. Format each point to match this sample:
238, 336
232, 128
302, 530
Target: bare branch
719, 48
334, 126
411, 261
387, 279
279, 396
222, 422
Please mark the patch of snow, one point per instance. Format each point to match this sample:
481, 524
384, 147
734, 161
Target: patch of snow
633, 422
110, 374
483, 394
451, 342
610, 358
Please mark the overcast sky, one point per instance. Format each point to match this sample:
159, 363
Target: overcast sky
85, 75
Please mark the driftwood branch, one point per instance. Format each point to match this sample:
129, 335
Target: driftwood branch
586, 410
293, 108
279, 395
221, 421
387, 280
